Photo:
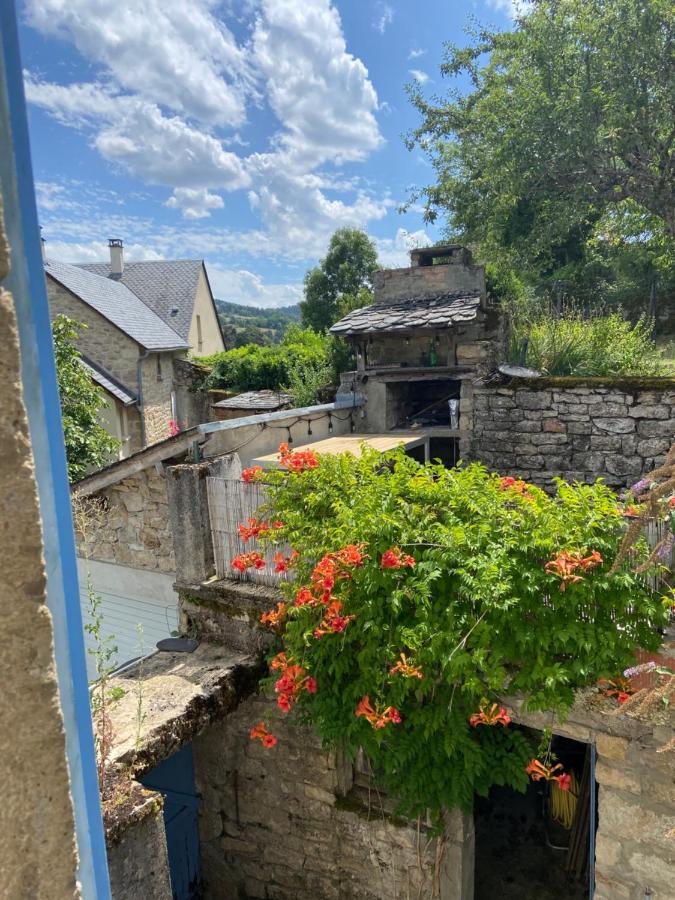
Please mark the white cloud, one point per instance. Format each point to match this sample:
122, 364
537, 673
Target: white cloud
383, 17
511, 8
134, 133
296, 58
298, 215
394, 253
172, 52
319, 92
95, 251
419, 76
416, 52
194, 203
242, 286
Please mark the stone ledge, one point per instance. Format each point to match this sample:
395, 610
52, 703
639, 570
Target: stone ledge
182, 693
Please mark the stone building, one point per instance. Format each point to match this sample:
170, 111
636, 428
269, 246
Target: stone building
140, 319
419, 348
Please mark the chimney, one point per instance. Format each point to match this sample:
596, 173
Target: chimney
116, 257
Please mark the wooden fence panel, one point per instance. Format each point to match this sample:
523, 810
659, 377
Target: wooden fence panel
231, 502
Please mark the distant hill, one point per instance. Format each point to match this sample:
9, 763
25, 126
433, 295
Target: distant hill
252, 324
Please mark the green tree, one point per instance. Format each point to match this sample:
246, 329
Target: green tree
88, 444
343, 280
567, 123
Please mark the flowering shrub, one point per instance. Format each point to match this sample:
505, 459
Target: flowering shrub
421, 595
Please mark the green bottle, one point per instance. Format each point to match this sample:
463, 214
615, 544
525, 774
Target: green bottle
433, 356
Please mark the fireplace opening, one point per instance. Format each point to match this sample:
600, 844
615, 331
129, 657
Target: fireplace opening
423, 404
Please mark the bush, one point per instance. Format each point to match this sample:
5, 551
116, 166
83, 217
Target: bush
305, 382
572, 343
253, 368
88, 444
488, 587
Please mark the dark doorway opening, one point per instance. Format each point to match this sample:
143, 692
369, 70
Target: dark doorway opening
175, 779
522, 851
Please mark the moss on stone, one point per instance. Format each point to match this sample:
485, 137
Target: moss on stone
618, 382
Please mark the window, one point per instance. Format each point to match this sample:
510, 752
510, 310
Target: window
200, 340
159, 367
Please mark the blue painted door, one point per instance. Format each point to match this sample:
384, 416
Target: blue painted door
175, 779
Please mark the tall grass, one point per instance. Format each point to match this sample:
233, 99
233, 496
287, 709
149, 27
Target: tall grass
573, 342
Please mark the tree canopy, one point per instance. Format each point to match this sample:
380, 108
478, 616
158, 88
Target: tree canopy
88, 444
558, 159
343, 280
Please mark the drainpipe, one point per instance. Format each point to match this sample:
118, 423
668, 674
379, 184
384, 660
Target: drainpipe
139, 382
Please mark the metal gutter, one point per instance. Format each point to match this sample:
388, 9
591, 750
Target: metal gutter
299, 413
26, 281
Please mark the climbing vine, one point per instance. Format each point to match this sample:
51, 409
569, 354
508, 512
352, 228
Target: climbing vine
418, 596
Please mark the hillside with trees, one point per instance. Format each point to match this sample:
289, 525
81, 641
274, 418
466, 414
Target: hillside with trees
243, 325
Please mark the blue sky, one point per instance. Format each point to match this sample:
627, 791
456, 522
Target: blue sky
241, 131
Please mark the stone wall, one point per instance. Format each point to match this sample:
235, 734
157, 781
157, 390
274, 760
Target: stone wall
38, 856
100, 340
128, 523
635, 839
283, 823
193, 406
392, 285
617, 430
138, 862
157, 388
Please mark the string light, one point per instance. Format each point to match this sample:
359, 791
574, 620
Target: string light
290, 435
330, 424
309, 426
352, 424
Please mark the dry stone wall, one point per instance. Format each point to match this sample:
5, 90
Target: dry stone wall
280, 823
618, 431
635, 838
157, 387
129, 524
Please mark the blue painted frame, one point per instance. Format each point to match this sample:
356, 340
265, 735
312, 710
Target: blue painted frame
27, 283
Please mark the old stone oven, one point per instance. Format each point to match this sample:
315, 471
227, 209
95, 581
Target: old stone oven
420, 346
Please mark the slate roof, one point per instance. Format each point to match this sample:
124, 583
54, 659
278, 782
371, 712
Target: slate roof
410, 315
108, 382
119, 305
255, 400
167, 286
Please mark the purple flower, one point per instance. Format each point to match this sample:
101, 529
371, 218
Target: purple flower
666, 547
639, 486
639, 670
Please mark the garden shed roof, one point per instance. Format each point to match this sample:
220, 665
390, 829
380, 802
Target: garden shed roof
432, 313
256, 400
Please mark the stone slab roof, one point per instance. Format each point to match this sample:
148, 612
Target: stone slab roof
255, 400
108, 382
167, 286
119, 305
432, 313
